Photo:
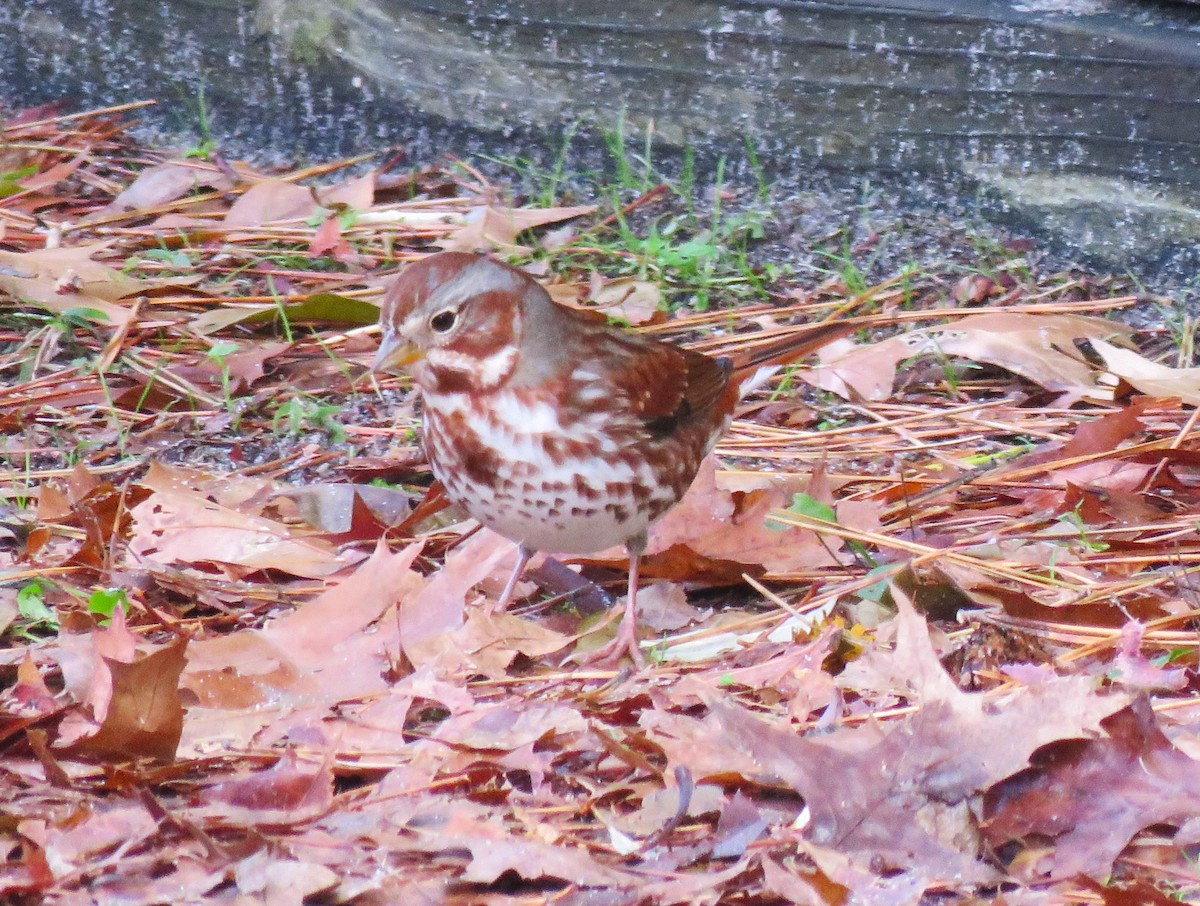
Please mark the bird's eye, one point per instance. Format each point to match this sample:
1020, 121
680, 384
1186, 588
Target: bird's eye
443, 320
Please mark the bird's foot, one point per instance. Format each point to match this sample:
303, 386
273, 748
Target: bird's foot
610, 654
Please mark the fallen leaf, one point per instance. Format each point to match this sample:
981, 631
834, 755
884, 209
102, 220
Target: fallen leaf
509, 725
732, 525
113, 642
866, 372
144, 717
440, 607
1133, 670
328, 240
489, 228
289, 792
490, 642
29, 872
68, 280
318, 308
1090, 797
323, 652
50, 177
30, 696
182, 526
973, 289
740, 825
355, 194
795, 888
494, 850
661, 806
722, 522
1149, 377
663, 607
630, 300
81, 840
1039, 348
1101, 434
335, 508
375, 731
699, 886
271, 201
162, 183
269, 879
898, 796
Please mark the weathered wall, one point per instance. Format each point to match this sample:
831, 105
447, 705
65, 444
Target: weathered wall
1081, 117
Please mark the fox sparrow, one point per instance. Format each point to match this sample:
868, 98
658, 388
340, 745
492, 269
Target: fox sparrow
547, 425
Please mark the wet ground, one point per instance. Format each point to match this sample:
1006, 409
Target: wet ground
263, 81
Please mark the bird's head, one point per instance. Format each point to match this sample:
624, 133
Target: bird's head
454, 321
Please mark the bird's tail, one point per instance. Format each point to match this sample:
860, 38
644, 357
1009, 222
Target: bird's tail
754, 365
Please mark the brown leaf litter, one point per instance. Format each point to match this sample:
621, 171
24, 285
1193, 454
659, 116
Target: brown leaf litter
306, 697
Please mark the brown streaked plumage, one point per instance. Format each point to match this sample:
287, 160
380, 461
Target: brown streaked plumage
549, 426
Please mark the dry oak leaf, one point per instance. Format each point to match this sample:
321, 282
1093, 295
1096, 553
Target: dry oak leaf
1149, 377
1008, 729
722, 522
792, 887
337, 508
439, 608
278, 200
76, 841
489, 228
897, 795
79, 653
288, 792
374, 731
490, 642
864, 886
158, 185
694, 887
30, 698
269, 201
66, 279
275, 881
328, 240
143, 716
509, 725
130, 700
632, 301
356, 193
183, 526
336, 648
1102, 434
1039, 348
26, 872
1091, 797
493, 849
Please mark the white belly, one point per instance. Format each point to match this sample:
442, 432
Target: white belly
571, 504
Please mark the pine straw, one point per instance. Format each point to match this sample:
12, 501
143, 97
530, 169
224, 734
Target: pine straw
916, 453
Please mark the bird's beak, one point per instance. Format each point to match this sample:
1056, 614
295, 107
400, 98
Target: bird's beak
394, 352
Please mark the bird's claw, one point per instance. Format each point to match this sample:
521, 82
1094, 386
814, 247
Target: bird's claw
610, 654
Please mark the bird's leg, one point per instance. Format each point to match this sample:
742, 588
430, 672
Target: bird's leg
626, 641
523, 555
